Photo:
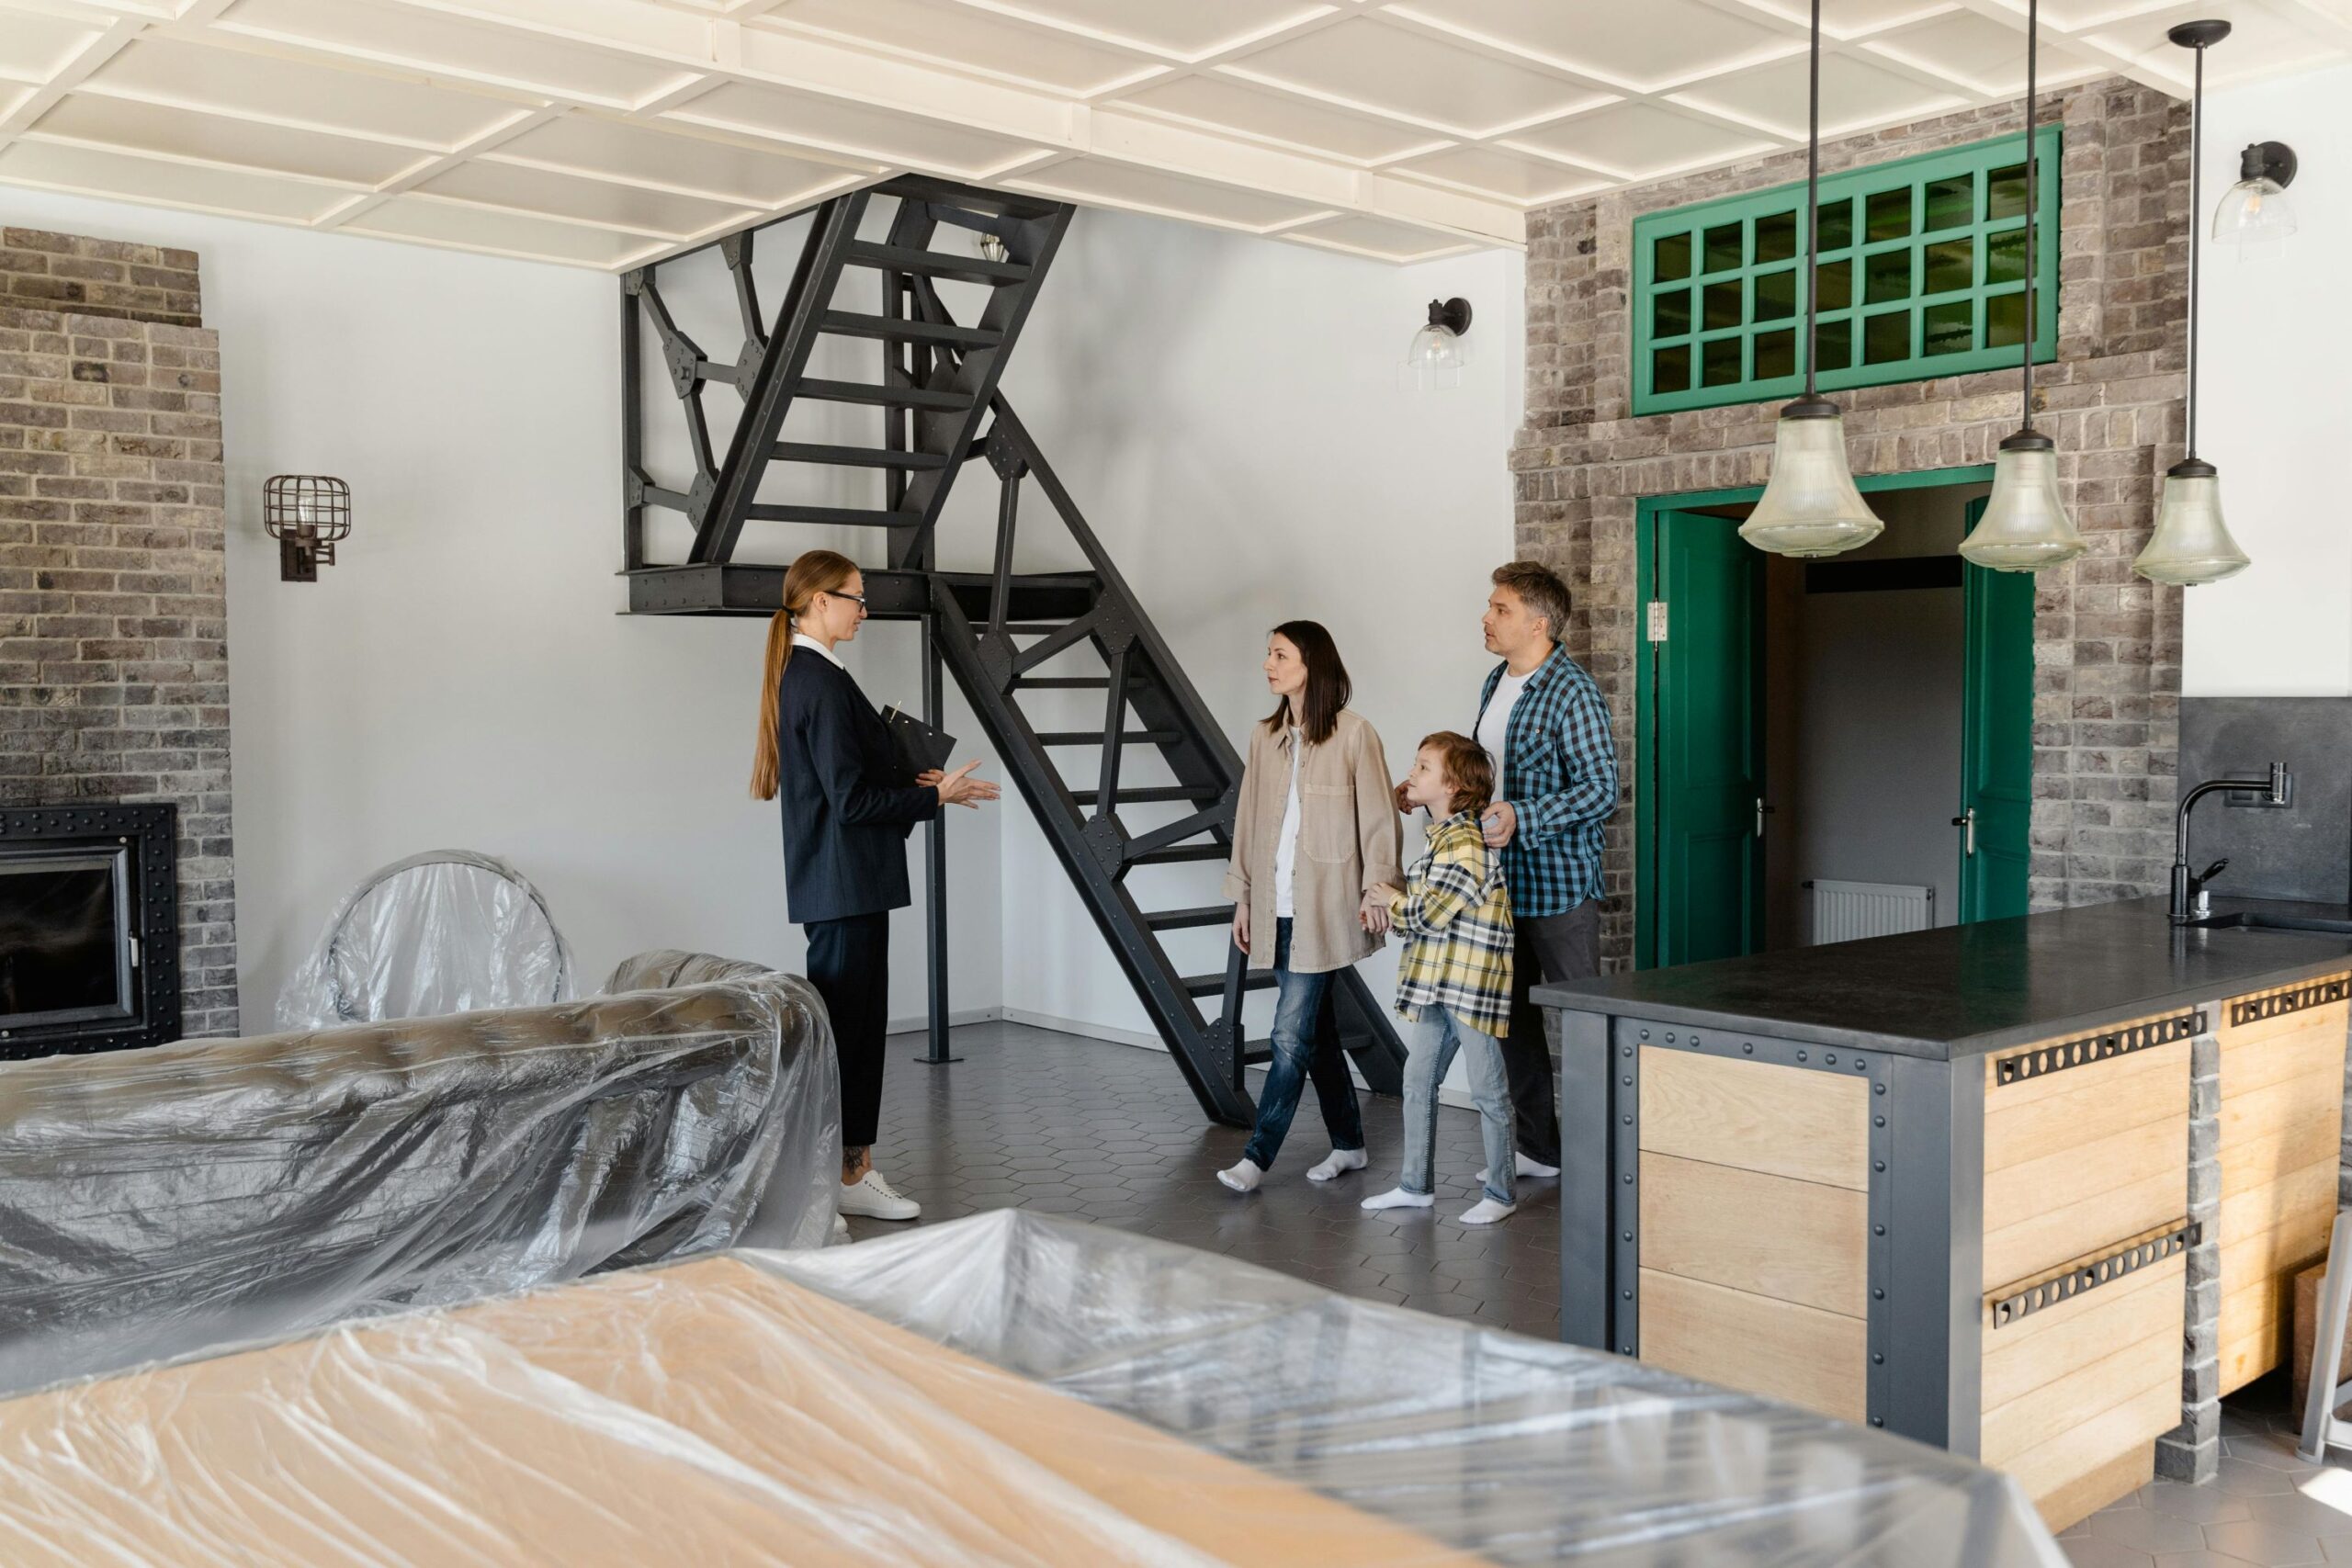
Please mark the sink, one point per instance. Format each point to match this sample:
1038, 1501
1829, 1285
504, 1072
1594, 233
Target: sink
2254, 922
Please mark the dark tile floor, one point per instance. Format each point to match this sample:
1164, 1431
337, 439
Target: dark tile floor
1035, 1120
1109, 1134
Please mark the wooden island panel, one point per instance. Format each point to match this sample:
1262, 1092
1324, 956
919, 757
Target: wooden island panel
2281, 1123
2080, 1162
1754, 1227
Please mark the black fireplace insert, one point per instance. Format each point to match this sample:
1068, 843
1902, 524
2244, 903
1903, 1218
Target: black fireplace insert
89, 929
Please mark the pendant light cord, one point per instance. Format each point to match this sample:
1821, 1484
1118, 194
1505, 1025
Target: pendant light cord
1813, 206
2032, 189
2196, 222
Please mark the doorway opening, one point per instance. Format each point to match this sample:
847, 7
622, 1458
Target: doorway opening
1827, 748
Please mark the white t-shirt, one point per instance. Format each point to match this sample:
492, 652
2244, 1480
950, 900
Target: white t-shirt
1286, 843
1494, 725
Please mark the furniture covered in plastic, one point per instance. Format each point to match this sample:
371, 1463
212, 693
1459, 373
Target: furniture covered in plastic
159, 1203
1006, 1389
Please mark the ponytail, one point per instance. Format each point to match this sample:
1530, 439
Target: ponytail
815, 572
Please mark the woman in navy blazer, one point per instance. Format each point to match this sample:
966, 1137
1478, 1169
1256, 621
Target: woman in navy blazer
848, 808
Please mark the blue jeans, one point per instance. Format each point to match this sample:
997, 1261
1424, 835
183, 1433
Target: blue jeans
1431, 1043
1302, 1050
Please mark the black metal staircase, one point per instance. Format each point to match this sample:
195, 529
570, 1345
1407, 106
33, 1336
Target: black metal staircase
1005, 636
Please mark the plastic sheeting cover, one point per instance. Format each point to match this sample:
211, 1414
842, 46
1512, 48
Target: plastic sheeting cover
1006, 1389
159, 1203
445, 932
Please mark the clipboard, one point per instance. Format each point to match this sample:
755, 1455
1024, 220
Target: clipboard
919, 748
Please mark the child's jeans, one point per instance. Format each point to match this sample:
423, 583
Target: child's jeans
1433, 1042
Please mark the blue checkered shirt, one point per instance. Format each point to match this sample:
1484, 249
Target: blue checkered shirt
1560, 777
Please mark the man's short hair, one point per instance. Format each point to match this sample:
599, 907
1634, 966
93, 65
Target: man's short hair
1540, 589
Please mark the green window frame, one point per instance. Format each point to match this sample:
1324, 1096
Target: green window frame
1921, 276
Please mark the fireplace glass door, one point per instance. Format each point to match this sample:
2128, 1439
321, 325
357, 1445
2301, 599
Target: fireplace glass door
67, 949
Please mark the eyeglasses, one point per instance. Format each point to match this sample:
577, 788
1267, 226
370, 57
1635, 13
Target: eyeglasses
857, 599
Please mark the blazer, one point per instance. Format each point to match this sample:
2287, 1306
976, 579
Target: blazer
848, 807
1349, 840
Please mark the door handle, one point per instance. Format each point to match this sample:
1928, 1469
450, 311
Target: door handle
1762, 811
1966, 823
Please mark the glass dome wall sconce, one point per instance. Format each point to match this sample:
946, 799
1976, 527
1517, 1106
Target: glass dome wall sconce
1436, 354
2255, 217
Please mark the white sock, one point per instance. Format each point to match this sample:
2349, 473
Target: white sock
1486, 1212
1397, 1198
1338, 1163
1528, 1167
1243, 1175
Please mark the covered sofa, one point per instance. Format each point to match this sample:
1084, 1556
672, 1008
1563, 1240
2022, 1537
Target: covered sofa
159, 1203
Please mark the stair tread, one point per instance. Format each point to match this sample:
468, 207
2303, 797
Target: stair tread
837, 517
862, 323
1198, 915
855, 457
870, 392
1210, 985
1177, 853
937, 263
1148, 794
1094, 737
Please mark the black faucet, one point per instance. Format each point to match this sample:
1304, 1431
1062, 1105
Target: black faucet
2188, 898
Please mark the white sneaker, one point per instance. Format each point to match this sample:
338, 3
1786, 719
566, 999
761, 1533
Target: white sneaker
1486, 1212
1243, 1175
1397, 1198
872, 1197
1336, 1164
1525, 1166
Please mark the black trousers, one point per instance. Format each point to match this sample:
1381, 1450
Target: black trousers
849, 962
1545, 949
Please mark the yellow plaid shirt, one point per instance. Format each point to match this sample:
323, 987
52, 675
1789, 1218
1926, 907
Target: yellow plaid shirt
1455, 915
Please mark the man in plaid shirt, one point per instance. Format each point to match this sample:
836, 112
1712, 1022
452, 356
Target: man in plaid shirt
1542, 720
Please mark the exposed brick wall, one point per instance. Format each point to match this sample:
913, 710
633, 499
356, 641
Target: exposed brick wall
2107, 643
114, 664
98, 277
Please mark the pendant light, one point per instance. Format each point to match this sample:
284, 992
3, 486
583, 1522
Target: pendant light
1810, 506
2025, 527
2191, 544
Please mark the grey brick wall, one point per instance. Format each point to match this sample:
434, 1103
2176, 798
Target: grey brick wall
113, 661
2106, 643
41, 271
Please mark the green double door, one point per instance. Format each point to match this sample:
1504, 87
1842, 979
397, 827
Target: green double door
1704, 793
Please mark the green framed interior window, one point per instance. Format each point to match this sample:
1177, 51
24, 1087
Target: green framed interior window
1922, 274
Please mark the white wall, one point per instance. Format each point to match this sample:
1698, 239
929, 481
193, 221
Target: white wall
1227, 414
1224, 408
2276, 361
462, 676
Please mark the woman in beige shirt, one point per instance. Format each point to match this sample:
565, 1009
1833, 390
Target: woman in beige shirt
1315, 832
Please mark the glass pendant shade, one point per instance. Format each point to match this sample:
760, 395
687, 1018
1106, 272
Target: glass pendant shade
1435, 357
2191, 544
1810, 507
2256, 214
2025, 526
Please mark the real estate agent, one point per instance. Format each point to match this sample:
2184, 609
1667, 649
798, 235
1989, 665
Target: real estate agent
849, 806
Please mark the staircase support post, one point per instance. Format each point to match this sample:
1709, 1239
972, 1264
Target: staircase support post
937, 1051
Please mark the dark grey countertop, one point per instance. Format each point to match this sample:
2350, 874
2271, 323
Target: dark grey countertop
1959, 991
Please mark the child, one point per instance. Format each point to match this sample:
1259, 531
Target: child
1453, 981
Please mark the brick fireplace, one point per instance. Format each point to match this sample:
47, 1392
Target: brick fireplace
114, 674
2107, 643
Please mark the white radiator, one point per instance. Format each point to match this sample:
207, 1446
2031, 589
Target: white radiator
1845, 910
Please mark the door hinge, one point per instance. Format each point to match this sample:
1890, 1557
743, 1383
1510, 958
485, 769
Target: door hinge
1657, 620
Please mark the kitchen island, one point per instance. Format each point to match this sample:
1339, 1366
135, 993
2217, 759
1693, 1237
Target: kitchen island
1978, 1185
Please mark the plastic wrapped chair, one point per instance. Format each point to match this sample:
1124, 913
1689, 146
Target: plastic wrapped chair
445, 931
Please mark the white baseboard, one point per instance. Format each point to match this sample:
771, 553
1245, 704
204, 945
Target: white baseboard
955, 1019
1091, 1031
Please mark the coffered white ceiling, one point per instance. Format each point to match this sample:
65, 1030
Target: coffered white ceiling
608, 132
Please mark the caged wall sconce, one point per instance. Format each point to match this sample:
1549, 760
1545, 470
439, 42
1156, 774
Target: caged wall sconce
306, 513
